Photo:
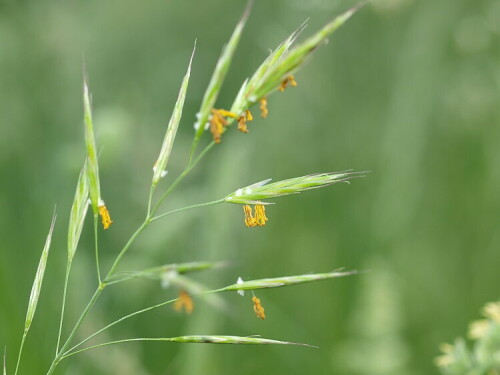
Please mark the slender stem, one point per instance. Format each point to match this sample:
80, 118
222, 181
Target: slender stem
66, 278
186, 171
187, 208
118, 321
134, 314
60, 355
96, 246
150, 199
119, 342
20, 351
89, 306
126, 247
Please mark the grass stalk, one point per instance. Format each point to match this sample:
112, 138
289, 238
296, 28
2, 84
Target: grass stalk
63, 307
188, 208
96, 246
20, 351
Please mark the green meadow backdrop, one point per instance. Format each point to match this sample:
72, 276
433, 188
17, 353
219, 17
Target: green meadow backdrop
407, 89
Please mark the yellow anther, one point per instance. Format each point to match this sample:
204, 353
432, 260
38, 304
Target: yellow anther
290, 80
225, 113
242, 121
257, 307
260, 215
249, 219
218, 122
263, 107
106, 219
184, 302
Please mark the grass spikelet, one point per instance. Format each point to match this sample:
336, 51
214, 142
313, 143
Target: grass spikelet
166, 148
35, 289
78, 212
218, 76
285, 281
37, 284
235, 340
92, 163
287, 63
4, 362
253, 194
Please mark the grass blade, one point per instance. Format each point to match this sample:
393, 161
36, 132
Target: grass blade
166, 148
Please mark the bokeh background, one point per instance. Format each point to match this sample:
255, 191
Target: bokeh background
408, 89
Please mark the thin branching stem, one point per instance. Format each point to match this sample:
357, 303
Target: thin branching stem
20, 351
190, 166
61, 320
126, 247
96, 246
169, 339
118, 321
60, 355
82, 317
187, 208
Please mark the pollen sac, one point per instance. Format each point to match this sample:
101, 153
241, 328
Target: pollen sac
106, 219
184, 302
218, 123
290, 80
263, 107
257, 307
242, 121
249, 219
260, 215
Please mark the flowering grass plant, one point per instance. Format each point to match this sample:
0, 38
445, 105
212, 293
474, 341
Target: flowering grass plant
275, 74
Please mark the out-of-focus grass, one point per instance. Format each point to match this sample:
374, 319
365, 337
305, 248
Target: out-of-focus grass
407, 89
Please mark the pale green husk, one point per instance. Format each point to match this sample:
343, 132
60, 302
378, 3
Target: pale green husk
92, 162
253, 194
37, 284
78, 212
285, 281
166, 148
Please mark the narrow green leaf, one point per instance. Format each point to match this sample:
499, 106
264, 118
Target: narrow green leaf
285, 281
4, 361
37, 284
92, 163
166, 148
78, 212
219, 75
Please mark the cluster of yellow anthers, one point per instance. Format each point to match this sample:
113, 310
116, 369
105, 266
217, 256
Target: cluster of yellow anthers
257, 307
290, 80
106, 219
259, 218
184, 302
218, 122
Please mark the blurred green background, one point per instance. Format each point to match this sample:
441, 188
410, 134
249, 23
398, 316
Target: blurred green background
407, 89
